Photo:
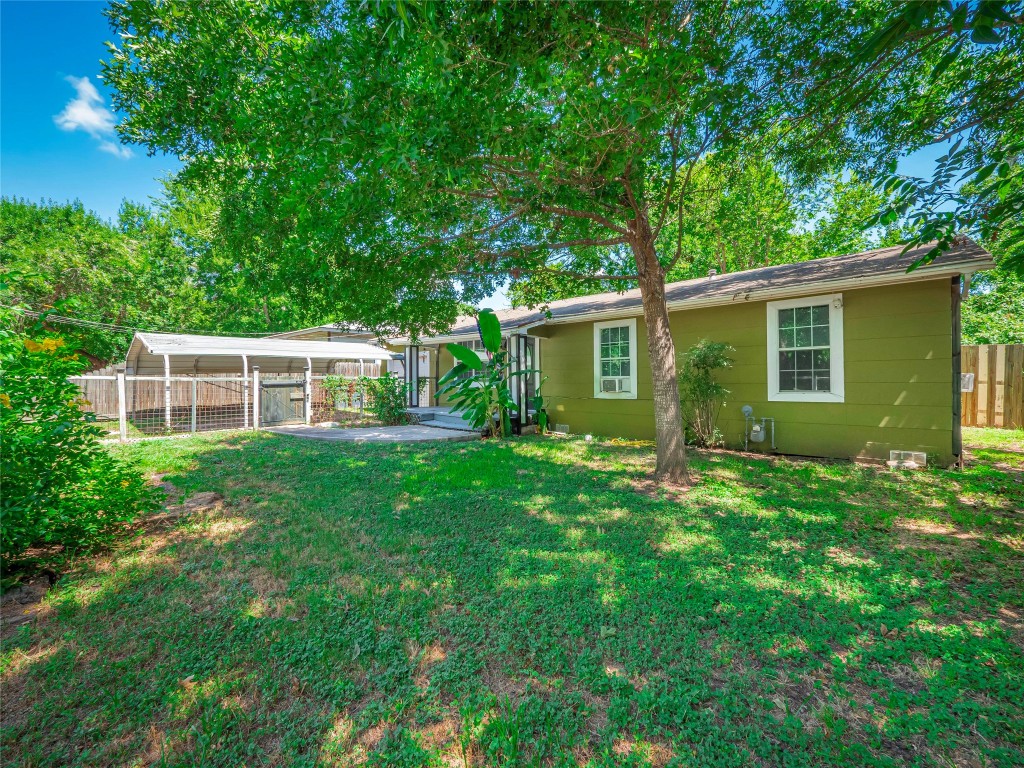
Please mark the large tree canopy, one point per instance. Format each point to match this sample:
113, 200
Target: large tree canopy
407, 156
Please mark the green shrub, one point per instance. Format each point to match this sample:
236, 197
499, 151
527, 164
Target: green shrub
388, 399
702, 396
60, 485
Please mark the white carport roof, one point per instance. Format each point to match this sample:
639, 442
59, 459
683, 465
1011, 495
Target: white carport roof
187, 353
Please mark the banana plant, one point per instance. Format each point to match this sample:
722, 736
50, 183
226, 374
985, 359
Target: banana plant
539, 408
483, 398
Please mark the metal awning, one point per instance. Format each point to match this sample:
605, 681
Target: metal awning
179, 354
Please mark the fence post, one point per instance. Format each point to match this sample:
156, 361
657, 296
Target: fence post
122, 405
308, 396
195, 402
255, 397
167, 392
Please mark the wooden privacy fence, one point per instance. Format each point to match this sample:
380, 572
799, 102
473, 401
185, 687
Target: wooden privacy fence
997, 399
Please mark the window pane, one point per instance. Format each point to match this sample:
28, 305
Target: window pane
787, 381
624, 368
624, 346
803, 316
606, 335
803, 381
614, 369
821, 382
785, 318
820, 314
821, 360
787, 338
803, 337
803, 360
821, 335
606, 369
787, 361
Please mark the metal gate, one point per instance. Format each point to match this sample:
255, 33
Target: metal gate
281, 402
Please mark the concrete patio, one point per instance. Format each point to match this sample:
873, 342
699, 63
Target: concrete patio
412, 433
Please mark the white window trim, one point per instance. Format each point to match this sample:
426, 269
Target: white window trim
628, 323
835, 334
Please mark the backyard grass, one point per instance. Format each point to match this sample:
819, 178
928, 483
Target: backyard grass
537, 603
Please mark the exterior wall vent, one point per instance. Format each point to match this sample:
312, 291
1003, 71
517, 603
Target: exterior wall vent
562, 429
907, 459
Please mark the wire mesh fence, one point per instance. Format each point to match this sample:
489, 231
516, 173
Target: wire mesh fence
137, 406
194, 404
154, 405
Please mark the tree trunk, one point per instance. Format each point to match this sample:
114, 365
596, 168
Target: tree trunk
668, 412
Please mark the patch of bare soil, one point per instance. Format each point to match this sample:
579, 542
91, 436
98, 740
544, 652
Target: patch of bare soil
23, 603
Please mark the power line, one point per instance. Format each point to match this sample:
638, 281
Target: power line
113, 328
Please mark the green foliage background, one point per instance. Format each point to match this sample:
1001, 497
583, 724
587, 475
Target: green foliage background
60, 485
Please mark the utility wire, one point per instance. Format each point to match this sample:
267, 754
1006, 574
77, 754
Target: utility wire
96, 325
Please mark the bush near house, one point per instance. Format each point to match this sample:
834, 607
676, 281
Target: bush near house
60, 485
701, 394
388, 399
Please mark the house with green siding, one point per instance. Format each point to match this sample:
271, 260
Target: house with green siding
849, 357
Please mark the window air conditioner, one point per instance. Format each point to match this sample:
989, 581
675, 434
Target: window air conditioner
614, 385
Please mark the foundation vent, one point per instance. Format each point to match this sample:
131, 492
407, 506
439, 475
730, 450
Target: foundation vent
907, 459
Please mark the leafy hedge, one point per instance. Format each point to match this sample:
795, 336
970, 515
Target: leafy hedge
60, 485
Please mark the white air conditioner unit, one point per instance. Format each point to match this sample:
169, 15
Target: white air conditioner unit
614, 385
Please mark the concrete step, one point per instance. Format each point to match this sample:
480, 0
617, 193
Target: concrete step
448, 421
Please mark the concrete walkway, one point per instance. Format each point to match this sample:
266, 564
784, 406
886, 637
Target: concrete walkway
413, 433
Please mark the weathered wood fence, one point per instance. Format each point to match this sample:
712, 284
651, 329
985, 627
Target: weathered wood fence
998, 396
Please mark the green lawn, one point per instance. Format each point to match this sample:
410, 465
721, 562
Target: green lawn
537, 603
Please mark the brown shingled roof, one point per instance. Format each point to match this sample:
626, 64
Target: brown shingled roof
880, 266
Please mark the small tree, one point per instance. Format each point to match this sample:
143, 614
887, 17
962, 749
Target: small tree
701, 394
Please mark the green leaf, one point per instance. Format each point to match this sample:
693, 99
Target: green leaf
466, 356
490, 330
945, 62
986, 36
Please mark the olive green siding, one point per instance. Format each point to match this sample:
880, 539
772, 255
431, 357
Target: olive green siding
898, 377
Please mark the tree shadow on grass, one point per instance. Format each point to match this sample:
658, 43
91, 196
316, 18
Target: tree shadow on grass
521, 604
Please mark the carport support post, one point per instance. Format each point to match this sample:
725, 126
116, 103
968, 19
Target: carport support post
195, 402
307, 398
167, 392
255, 397
122, 405
245, 392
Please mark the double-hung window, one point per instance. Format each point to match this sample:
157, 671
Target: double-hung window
805, 349
615, 359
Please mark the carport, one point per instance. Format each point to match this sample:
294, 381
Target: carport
190, 383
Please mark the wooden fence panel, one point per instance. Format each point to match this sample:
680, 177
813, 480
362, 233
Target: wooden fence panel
998, 396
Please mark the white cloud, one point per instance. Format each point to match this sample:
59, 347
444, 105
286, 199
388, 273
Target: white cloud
87, 112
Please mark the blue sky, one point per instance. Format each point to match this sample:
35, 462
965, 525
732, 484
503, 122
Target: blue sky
56, 127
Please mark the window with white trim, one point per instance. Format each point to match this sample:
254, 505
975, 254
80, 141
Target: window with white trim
615, 359
805, 349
